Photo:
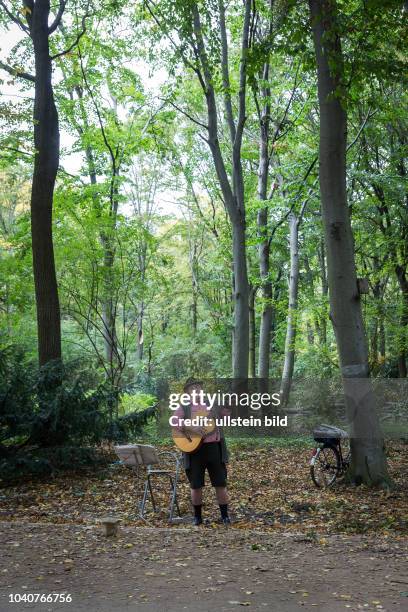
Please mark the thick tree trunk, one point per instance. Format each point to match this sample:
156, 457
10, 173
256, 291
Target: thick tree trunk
368, 464
46, 162
289, 362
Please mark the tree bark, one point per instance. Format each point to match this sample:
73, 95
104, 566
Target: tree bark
252, 333
289, 362
262, 223
402, 352
368, 462
233, 190
322, 321
46, 162
140, 334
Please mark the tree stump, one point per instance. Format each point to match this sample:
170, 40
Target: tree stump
110, 526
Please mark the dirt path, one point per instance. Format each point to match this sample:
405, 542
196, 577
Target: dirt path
199, 570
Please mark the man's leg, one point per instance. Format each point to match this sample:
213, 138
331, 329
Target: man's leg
197, 501
222, 498
197, 497
196, 476
222, 495
218, 476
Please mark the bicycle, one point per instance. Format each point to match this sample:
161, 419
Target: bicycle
329, 462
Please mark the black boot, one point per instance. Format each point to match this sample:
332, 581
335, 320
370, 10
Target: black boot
198, 519
224, 514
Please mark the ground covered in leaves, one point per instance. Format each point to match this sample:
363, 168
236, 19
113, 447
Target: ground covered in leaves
291, 546
270, 488
198, 569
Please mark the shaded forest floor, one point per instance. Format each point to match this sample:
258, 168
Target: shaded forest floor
199, 570
291, 546
270, 488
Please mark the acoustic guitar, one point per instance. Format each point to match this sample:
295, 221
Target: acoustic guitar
189, 442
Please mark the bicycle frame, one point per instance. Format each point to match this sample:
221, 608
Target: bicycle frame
342, 461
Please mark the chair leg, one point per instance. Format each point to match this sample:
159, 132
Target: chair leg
151, 493
174, 500
175, 494
172, 489
175, 486
143, 504
177, 504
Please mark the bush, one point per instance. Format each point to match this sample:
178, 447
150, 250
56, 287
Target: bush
43, 462
47, 407
50, 419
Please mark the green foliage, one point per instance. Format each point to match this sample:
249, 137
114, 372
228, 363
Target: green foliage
140, 229
52, 406
135, 402
53, 418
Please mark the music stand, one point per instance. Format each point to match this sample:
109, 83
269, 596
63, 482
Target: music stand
145, 456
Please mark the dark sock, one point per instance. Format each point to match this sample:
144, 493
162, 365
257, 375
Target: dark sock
224, 511
197, 511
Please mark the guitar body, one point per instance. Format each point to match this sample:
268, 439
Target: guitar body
191, 442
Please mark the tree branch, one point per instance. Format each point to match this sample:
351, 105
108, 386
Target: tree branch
177, 48
16, 72
362, 126
19, 151
225, 72
243, 76
14, 18
58, 17
76, 41
180, 110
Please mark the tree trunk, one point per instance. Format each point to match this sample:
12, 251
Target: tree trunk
233, 190
381, 335
240, 358
262, 223
368, 462
289, 363
140, 333
108, 307
310, 334
310, 282
378, 333
402, 353
194, 261
265, 330
374, 344
252, 334
322, 323
46, 162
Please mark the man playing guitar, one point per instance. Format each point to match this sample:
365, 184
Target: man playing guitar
212, 454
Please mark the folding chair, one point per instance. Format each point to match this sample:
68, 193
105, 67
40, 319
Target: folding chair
147, 456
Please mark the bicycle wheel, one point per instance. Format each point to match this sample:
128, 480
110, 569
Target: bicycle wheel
325, 466
344, 460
